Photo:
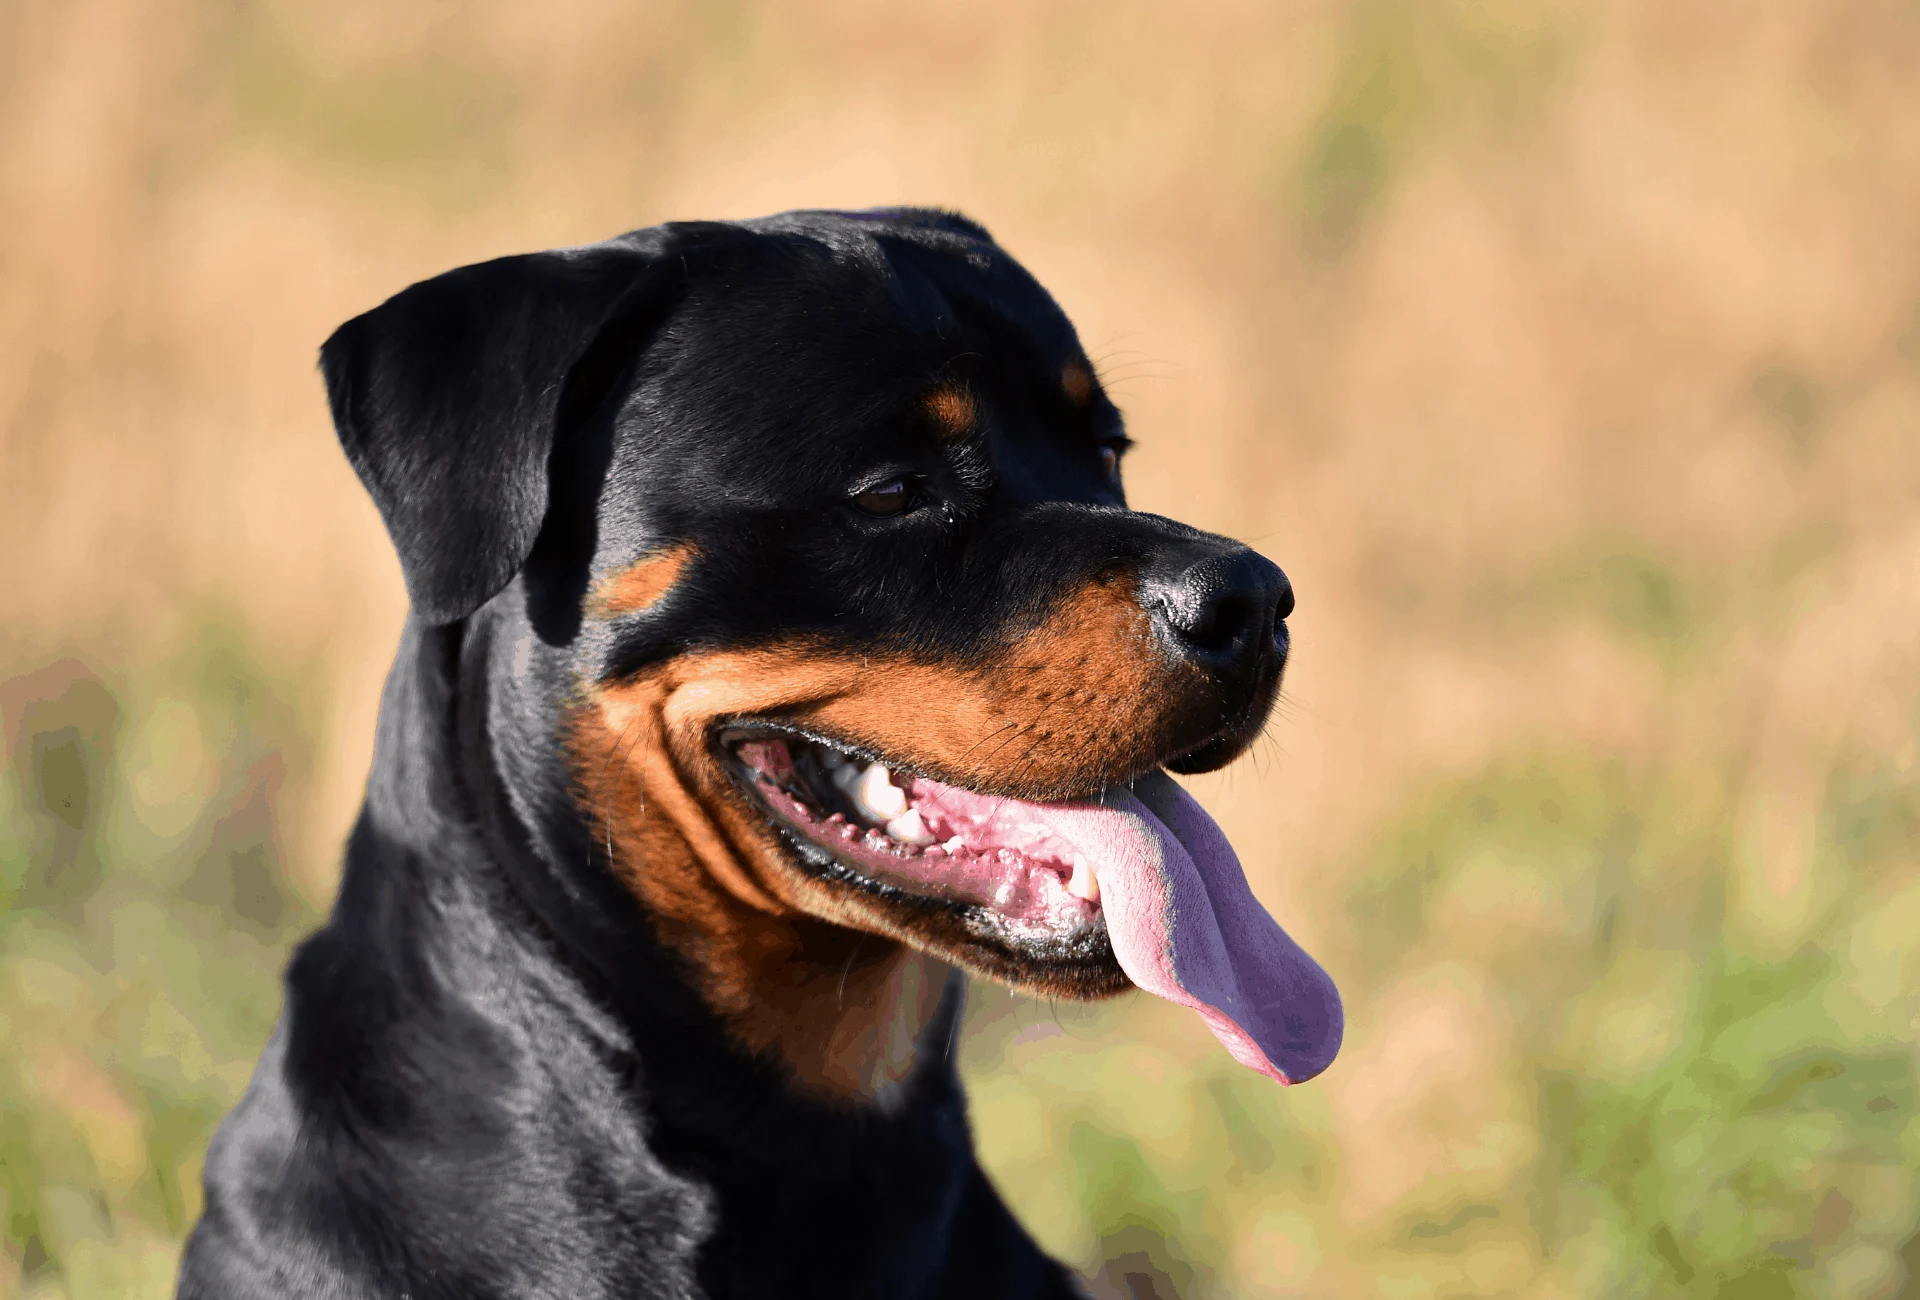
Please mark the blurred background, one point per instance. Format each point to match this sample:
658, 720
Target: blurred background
1566, 354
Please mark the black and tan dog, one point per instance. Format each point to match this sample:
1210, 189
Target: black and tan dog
781, 646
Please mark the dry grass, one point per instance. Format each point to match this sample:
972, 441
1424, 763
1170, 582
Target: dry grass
1566, 354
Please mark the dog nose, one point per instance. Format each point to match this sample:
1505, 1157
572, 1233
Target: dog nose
1222, 610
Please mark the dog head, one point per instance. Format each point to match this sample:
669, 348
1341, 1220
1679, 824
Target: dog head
816, 533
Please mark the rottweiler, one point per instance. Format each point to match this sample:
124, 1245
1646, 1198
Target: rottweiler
781, 650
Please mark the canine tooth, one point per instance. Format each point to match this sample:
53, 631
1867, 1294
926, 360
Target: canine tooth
1084, 884
876, 797
910, 828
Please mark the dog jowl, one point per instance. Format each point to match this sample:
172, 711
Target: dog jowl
782, 647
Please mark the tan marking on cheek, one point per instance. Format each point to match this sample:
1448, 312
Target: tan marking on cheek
640, 585
639, 779
1077, 382
842, 1006
954, 410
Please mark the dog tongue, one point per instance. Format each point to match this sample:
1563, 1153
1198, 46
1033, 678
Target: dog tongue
1186, 927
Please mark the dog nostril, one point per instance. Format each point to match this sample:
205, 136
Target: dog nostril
1221, 607
1217, 623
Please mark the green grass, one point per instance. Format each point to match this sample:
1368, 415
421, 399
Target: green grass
146, 917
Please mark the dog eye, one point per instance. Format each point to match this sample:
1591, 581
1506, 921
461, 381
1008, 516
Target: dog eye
887, 499
1110, 462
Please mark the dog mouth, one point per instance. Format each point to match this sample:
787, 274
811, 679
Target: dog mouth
896, 829
1134, 883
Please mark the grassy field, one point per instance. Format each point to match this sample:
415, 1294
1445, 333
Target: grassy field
1567, 355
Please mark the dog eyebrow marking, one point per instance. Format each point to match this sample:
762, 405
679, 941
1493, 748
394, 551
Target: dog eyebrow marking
953, 409
1077, 382
641, 584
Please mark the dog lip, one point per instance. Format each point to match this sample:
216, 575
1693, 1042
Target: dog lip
1233, 734
730, 735
1224, 742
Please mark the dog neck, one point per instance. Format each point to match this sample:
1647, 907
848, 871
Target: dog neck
844, 1016
470, 1007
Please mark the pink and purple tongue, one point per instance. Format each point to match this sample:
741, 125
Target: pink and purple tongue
1186, 927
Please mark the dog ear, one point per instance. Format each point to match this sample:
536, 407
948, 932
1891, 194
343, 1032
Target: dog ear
449, 396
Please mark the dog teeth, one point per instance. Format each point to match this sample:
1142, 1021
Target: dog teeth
954, 845
1083, 884
874, 795
910, 828
870, 788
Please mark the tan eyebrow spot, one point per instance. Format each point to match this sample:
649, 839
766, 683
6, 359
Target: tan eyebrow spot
1077, 380
640, 584
953, 409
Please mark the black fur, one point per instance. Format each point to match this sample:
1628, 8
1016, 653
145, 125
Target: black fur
490, 1079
